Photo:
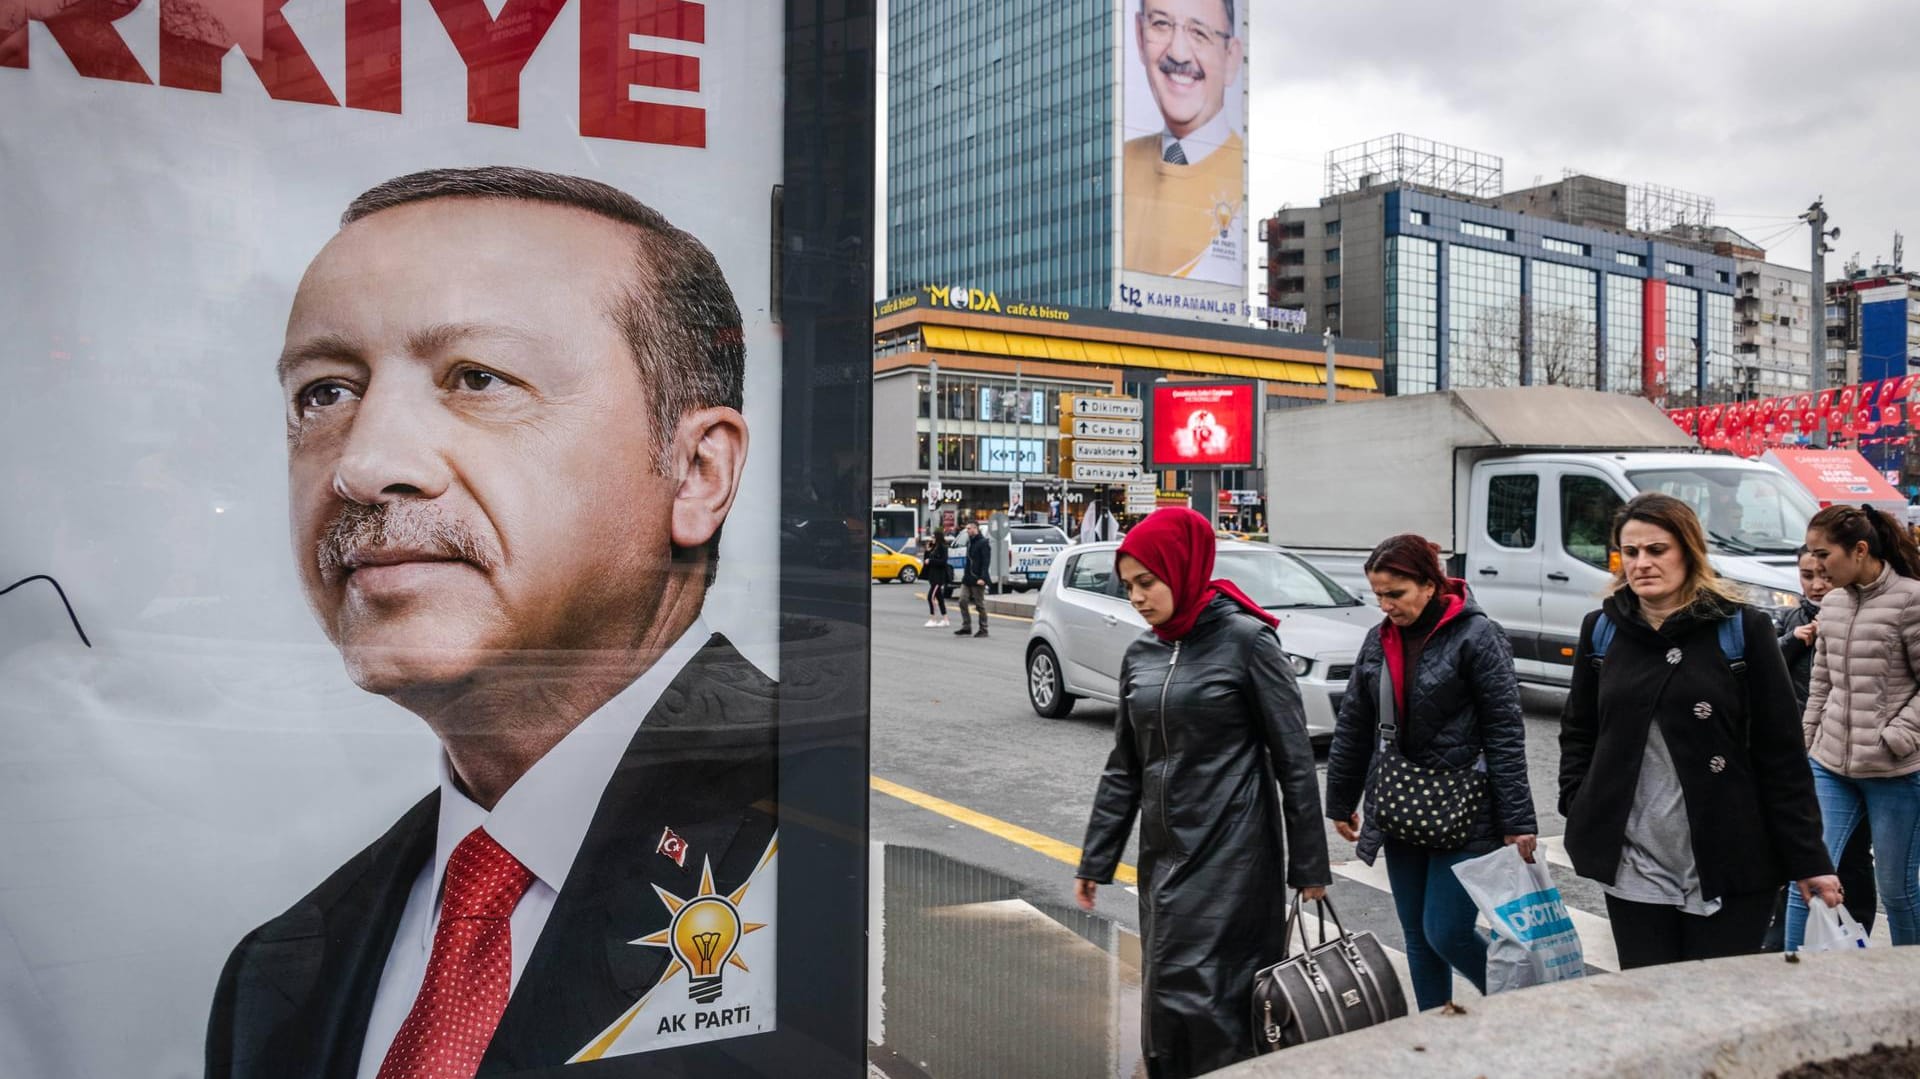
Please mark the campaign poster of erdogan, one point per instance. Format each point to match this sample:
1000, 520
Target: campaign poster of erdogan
400, 674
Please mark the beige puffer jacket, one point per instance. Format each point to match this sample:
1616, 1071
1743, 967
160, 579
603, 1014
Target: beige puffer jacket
1863, 714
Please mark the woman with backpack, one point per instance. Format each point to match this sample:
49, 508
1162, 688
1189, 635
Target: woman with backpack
1862, 724
1432, 703
1681, 769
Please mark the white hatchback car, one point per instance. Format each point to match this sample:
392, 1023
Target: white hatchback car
1082, 625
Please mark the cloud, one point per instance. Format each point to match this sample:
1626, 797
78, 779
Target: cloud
1760, 105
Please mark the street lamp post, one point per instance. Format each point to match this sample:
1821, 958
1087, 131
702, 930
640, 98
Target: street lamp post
1816, 216
1327, 339
933, 443
1019, 440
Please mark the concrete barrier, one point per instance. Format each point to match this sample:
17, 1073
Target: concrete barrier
1017, 604
1754, 1016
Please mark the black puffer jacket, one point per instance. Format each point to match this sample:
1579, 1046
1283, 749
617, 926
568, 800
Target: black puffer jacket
1798, 653
1462, 701
1219, 842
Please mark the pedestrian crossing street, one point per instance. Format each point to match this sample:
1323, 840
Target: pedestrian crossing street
1596, 935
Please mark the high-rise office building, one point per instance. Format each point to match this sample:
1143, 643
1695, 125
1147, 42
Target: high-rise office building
1584, 282
1087, 153
1000, 149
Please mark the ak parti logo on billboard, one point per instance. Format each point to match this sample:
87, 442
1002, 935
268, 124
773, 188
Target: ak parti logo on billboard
1203, 425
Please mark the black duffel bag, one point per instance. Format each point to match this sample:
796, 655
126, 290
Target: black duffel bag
1340, 985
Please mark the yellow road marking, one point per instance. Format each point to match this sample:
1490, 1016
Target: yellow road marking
1012, 833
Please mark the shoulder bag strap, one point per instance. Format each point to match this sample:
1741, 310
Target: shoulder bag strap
1387, 716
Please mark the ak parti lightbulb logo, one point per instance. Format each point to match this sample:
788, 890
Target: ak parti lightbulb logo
703, 936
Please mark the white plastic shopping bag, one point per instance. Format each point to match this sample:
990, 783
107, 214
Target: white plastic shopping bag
1832, 929
1534, 941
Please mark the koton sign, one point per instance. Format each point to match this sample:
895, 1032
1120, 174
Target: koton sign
1203, 425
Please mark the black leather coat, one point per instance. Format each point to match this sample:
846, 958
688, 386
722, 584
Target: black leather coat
1462, 701
1219, 841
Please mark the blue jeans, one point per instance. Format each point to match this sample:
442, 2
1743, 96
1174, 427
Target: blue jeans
1892, 808
1436, 917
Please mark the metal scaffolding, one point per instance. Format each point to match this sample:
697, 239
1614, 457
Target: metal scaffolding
1653, 208
1409, 159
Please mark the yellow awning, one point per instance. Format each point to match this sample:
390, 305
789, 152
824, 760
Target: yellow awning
988, 342
945, 338
1027, 346
1033, 346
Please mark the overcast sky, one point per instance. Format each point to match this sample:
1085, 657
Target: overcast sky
1760, 105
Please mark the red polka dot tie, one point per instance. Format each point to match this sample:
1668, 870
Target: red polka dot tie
470, 972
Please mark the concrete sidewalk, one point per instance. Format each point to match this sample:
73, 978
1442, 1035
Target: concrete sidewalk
1746, 1018
1017, 604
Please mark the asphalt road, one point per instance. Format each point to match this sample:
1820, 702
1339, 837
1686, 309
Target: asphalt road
951, 720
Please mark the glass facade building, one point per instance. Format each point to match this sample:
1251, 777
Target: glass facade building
1477, 296
1483, 317
1413, 314
1000, 147
1624, 322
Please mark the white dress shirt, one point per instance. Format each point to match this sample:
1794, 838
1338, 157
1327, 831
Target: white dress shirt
541, 821
1202, 142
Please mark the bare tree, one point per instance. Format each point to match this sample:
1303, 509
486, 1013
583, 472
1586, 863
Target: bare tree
1566, 347
1486, 350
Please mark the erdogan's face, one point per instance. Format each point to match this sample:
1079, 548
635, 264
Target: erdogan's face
471, 472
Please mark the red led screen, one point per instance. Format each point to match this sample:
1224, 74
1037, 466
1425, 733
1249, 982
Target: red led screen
1203, 425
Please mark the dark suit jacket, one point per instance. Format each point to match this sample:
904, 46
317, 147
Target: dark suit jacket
295, 996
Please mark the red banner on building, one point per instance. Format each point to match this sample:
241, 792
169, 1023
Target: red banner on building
1653, 341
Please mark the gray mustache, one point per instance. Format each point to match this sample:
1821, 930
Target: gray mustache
1170, 66
410, 525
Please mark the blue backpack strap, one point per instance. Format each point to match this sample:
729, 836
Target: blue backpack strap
1733, 641
1732, 634
1602, 637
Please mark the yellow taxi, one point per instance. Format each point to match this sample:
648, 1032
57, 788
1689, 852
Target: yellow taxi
892, 565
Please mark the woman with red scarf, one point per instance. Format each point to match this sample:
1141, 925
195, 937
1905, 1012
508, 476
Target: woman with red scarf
1211, 751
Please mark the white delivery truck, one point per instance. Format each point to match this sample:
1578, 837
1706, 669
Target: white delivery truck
1519, 486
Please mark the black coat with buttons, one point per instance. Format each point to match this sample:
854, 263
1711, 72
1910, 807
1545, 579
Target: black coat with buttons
1734, 737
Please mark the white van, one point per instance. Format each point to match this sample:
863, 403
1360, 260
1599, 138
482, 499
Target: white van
1519, 488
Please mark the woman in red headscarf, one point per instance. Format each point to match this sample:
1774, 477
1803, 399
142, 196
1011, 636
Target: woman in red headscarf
1210, 717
